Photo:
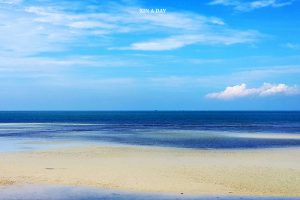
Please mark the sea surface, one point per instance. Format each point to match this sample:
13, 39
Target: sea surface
180, 129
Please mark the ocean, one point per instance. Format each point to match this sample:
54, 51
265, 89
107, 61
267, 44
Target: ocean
179, 129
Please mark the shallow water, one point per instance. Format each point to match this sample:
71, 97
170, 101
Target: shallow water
50, 192
205, 130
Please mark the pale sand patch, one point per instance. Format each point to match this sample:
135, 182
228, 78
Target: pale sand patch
270, 172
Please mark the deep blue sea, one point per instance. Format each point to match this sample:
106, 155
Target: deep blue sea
185, 129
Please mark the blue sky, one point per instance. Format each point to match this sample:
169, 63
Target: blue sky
108, 55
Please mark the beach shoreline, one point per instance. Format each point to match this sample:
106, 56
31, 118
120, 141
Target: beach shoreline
257, 172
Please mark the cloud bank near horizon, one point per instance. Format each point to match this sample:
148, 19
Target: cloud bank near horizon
267, 89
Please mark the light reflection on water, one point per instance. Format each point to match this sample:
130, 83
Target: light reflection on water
33, 144
47, 192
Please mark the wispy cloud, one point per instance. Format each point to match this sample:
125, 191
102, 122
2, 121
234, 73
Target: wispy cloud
24, 66
175, 42
244, 5
267, 89
253, 75
10, 1
57, 27
21, 35
183, 29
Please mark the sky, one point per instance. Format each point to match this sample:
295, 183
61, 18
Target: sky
149, 55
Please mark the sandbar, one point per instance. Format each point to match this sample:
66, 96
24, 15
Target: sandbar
259, 172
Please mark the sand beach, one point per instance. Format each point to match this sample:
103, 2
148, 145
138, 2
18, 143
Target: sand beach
258, 172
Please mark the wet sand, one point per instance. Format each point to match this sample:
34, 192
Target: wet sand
261, 172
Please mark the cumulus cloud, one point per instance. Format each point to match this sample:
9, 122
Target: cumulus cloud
267, 89
242, 5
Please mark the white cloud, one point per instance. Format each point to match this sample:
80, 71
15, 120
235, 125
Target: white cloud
117, 18
242, 5
184, 21
56, 27
266, 89
163, 44
175, 42
91, 24
180, 29
40, 41
21, 35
